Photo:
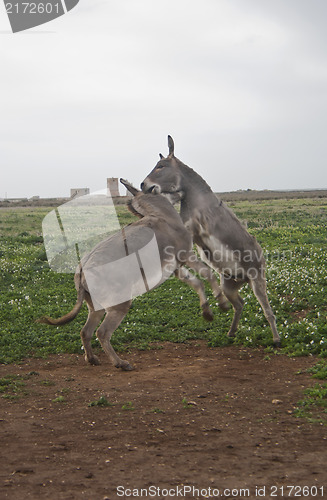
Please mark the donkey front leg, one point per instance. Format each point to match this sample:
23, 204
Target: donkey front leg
205, 272
184, 275
114, 317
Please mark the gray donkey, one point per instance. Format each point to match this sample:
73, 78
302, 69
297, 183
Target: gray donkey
174, 249
222, 241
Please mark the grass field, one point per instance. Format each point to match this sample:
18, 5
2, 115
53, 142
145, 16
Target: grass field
293, 234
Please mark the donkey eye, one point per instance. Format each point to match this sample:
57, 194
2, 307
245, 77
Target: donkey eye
159, 167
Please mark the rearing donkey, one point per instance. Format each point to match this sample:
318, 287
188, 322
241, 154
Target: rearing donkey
222, 241
174, 250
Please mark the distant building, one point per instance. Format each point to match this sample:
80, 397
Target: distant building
113, 187
76, 192
15, 200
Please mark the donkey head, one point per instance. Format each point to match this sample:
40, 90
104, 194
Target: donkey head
165, 178
143, 204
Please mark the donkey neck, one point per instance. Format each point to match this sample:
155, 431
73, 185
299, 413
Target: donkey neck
198, 196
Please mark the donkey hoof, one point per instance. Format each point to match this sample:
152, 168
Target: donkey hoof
277, 344
207, 314
93, 361
125, 366
231, 335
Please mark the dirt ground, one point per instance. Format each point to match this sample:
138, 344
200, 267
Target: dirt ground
219, 420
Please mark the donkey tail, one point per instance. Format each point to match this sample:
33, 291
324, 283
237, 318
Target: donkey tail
69, 316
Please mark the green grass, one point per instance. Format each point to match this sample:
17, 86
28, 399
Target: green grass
185, 404
319, 370
128, 406
293, 234
314, 405
102, 401
13, 386
157, 410
59, 399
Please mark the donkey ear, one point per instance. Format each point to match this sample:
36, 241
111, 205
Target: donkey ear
171, 146
130, 188
161, 156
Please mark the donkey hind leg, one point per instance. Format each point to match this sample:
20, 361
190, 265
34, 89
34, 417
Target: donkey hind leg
259, 287
87, 331
205, 272
231, 288
184, 275
112, 320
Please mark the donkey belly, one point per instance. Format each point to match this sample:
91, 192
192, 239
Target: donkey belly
221, 258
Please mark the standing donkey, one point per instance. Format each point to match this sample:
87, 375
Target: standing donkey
222, 241
174, 249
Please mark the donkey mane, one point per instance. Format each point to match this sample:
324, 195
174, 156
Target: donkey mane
201, 183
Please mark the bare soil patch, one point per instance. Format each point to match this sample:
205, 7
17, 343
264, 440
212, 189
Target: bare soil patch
187, 415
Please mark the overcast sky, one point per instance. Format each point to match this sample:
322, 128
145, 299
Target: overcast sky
241, 85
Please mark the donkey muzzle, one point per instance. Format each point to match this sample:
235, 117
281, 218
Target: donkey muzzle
148, 187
